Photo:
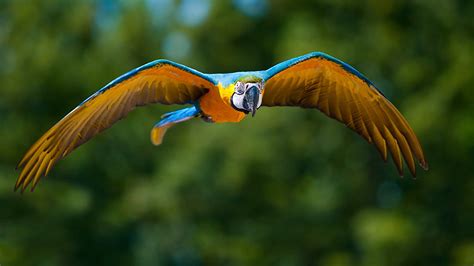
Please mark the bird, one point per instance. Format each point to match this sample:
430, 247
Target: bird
315, 80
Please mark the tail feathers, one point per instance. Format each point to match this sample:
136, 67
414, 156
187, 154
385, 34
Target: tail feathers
170, 119
157, 133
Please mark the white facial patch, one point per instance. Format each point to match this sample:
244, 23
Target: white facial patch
240, 92
238, 101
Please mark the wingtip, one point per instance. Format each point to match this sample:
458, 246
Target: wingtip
424, 165
413, 173
20, 188
22, 185
383, 155
17, 184
412, 169
399, 169
19, 165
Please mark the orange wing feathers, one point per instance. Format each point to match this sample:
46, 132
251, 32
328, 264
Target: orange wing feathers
326, 85
315, 80
160, 83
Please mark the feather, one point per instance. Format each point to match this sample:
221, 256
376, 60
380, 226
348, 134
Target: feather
160, 81
342, 93
157, 134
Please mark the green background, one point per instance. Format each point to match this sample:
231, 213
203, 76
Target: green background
288, 187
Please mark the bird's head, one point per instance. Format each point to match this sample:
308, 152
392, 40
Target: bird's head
247, 96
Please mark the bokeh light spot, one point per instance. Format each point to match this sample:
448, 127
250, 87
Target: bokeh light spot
106, 15
252, 8
193, 12
160, 11
176, 45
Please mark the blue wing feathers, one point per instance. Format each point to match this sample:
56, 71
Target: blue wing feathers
149, 65
229, 78
178, 116
286, 64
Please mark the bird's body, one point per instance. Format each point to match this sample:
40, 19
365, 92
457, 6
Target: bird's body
217, 107
315, 80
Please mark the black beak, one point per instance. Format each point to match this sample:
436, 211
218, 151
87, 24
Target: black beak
251, 100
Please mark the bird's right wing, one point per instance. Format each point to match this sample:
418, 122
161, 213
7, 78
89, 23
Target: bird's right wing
161, 81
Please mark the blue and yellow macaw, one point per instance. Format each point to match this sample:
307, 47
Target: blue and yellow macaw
315, 80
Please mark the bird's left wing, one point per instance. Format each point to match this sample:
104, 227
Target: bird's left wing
338, 90
160, 81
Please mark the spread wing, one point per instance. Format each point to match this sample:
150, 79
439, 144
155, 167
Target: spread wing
320, 81
160, 81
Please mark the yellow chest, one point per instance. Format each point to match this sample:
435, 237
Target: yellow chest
216, 104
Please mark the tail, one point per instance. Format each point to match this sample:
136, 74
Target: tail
170, 119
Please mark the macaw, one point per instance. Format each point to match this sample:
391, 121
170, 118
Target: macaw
315, 80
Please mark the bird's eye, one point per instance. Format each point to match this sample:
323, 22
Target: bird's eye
239, 88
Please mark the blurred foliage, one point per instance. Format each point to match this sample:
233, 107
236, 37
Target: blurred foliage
288, 187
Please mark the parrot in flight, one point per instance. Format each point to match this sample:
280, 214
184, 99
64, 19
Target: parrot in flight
315, 80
